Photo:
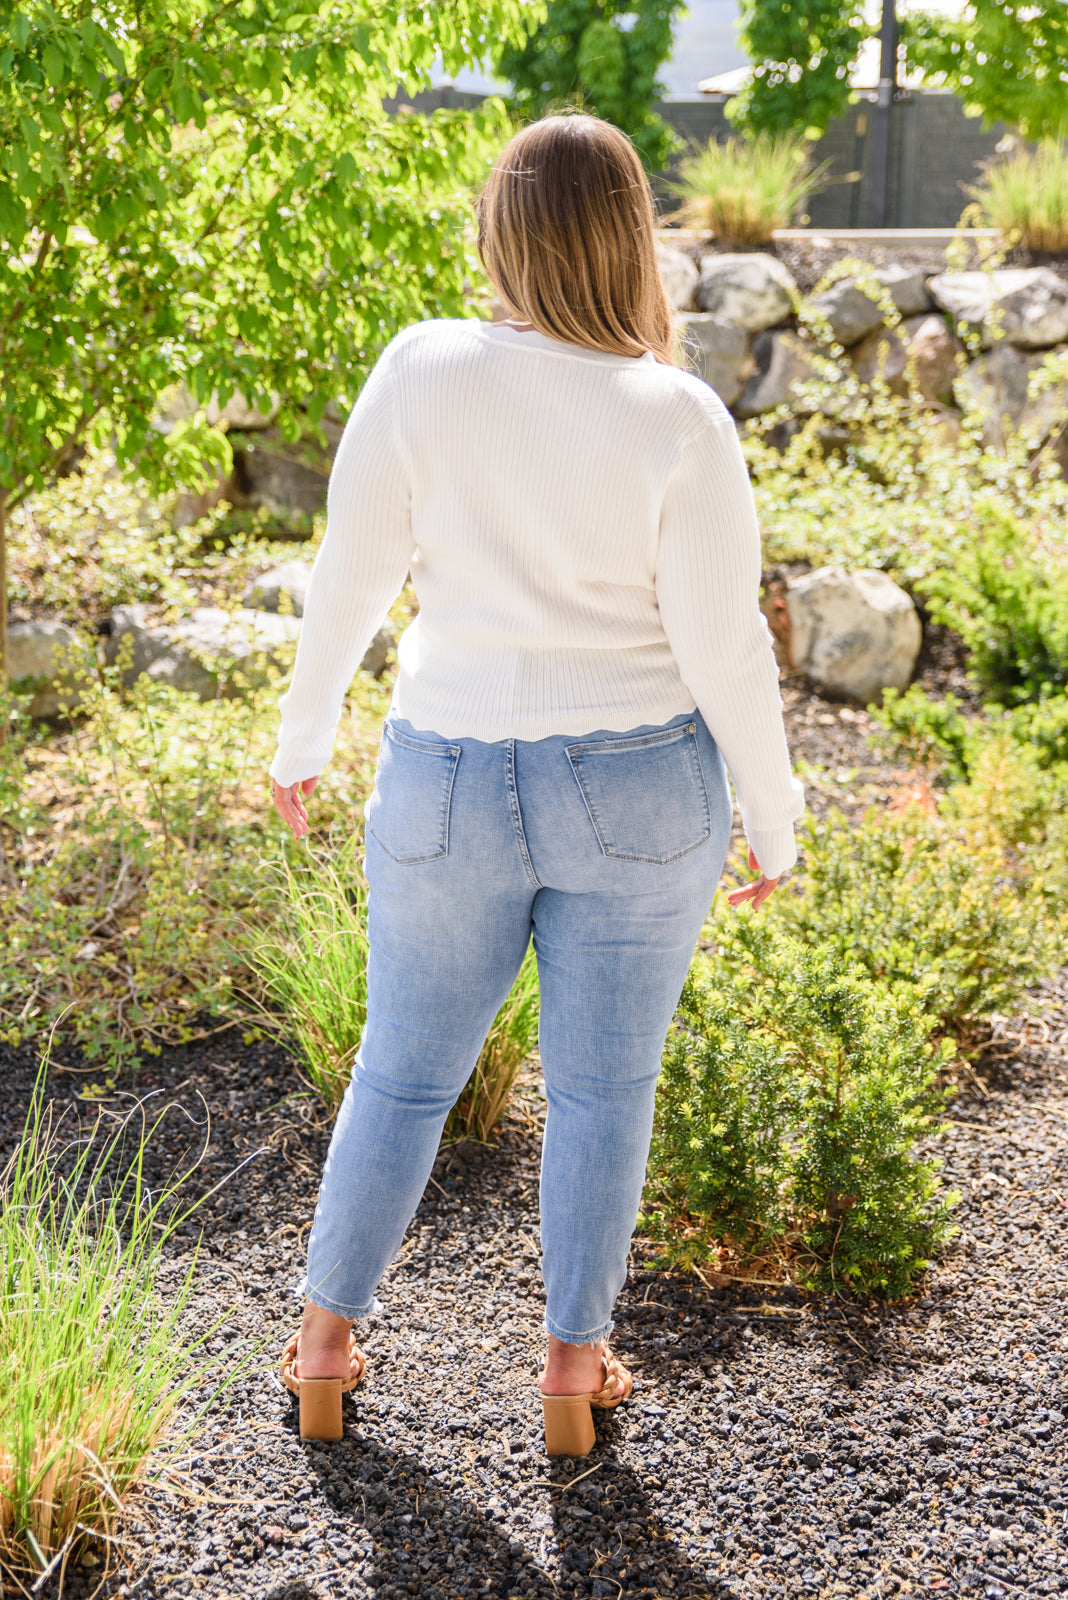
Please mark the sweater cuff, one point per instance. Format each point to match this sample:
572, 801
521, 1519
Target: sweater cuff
774, 848
286, 769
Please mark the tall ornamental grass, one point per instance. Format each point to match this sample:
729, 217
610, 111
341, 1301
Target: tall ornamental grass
312, 966
740, 191
1026, 196
93, 1360
312, 963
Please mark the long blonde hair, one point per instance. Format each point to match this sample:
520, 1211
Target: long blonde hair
565, 233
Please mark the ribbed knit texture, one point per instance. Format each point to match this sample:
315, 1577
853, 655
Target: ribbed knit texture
582, 539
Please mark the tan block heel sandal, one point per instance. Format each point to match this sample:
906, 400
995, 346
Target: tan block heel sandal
320, 1398
569, 1418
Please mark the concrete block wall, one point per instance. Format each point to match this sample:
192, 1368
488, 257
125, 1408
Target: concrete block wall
935, 150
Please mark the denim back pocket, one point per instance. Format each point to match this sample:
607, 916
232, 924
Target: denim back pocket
408, 812
645, 793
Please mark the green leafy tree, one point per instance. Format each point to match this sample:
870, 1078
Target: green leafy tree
802, 53
211, 196
1007, 62
604, 56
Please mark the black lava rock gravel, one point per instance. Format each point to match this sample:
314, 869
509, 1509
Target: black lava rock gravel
775, 1445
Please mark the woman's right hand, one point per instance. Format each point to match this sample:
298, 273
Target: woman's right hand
289, 803
757, 892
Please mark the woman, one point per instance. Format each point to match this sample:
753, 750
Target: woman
588, 658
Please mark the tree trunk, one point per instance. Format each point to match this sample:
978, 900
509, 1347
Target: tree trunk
3, 592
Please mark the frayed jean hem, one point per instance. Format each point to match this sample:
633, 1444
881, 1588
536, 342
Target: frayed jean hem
372, 1309
597, 1337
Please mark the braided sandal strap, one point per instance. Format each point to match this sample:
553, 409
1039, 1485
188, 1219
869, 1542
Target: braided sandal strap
357, 1365
614, 1374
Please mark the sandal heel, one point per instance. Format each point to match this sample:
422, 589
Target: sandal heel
569, 1427
320, 1408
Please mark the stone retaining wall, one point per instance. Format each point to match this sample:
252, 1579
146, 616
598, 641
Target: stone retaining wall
748, 333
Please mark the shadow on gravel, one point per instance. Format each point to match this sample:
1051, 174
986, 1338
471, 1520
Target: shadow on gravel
600, 1536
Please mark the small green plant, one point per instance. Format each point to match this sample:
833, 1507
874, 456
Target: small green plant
94, 1361
740, 191
938, 734
931, 733
312, 966
510, 1041
1026, 196
1009, 603
927, 909
793, 1093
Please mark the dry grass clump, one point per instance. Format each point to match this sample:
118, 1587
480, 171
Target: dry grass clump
740, 191
1026, 196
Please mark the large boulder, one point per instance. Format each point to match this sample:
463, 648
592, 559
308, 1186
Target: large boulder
780, 360
851, 313
680, 277
996, 387
935, 353
852, 634
755, 291
281, 588
716, 351
279, 477
209, 653
214, 652
907, 288
47, 661
1024, 305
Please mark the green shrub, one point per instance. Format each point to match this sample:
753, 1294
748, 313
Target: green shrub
114, 897
129, 858
311, 964
741, 190
792, 1094
1026, 196
932, 733
1042, 726
937, 733
92, 541
96, 1360
1009, 603
885, 485
926, 909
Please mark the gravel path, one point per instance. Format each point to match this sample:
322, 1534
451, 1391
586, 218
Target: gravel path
774, 1445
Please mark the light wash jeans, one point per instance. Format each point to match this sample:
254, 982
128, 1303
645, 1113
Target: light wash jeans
608, 850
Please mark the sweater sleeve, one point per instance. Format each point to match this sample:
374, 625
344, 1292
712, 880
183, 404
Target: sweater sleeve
707, 584
358, 573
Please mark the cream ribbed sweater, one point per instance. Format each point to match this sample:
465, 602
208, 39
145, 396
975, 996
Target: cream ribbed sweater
582, 539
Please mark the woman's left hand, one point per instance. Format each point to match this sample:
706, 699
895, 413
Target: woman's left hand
757, 892
289, 803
